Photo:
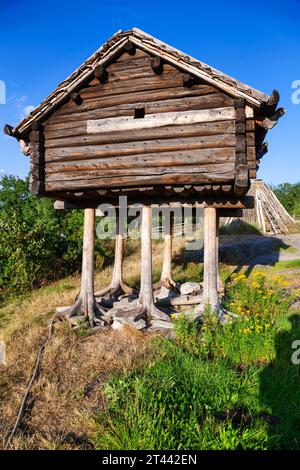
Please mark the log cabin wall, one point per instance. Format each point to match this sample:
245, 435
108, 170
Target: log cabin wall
136, 85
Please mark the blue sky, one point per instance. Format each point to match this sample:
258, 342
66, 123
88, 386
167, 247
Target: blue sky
257, 42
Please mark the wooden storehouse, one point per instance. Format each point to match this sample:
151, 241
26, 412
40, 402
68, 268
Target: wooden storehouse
143, 119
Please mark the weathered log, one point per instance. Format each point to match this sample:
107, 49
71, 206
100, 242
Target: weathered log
130, 48
200, 150
101, 74
210, 280
269, 108
159, 119
166, 281
76, 98
117, 286
74, 134
157, 65
133, 194
8, 130
242, 183
167, 95
145, 306
86, 304
270, 122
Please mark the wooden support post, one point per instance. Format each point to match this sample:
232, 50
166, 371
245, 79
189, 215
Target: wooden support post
166, 277
86, 304
166, 283
87, 275
220, 283
117, 286
146, 295
144, 307
210, 289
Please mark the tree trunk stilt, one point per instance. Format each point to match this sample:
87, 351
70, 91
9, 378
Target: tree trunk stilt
210, 283
145, 307
166, 280
117, 286
85, 304
220, 283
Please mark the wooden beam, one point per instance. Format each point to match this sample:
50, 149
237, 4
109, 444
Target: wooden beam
210, 279
247, 202
85, 303
8, 130
269, 108
127, 123
230, 213
242, 182
270, 122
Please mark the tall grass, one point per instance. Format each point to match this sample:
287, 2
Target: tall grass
231, 387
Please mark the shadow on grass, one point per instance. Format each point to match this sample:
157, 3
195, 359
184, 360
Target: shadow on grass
280, 389
245, 249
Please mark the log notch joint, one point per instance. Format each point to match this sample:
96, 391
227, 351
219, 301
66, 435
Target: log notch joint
157, 65
37, 160
101, 74
242, 182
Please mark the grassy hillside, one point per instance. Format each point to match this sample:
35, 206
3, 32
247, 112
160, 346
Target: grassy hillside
223, 388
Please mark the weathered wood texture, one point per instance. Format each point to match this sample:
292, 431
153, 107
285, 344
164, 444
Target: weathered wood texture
187, 135
37, 161
210, 280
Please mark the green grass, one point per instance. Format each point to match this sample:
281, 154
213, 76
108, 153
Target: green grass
280, 265
231, 387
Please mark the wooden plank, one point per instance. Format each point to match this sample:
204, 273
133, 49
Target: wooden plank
139, 180
151, 107
159, 119
198, 155
215, 168
66, 136
150, 160
213, 100
140, 148
223, 204
134, 85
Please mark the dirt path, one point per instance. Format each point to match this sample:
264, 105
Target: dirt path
259, 250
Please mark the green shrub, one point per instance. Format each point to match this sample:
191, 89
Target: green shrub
289, 196
37, 243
